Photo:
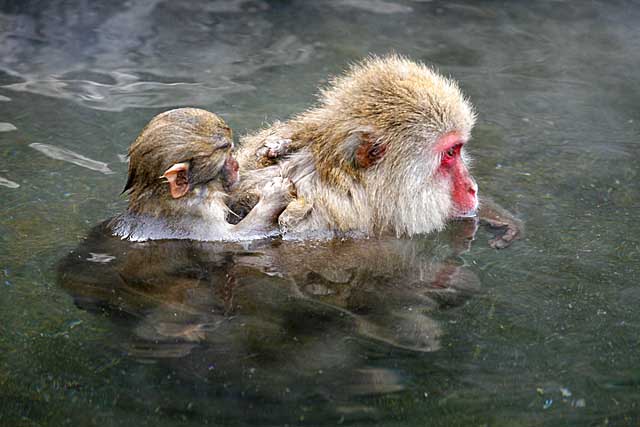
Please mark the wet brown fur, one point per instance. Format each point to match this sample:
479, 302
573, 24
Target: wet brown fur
175, 136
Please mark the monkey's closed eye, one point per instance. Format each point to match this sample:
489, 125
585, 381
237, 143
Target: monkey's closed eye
221, 142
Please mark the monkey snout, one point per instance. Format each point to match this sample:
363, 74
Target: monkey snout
466, 199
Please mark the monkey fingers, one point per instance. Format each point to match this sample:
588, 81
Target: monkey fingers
293, 215
274, 148
497, 217
275, 195
512, 231
506, 239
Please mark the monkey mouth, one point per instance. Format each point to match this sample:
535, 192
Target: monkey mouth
472, 213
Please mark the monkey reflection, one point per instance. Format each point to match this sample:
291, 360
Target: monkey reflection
284, 309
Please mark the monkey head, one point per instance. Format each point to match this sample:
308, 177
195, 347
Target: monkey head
176, 152
399, 129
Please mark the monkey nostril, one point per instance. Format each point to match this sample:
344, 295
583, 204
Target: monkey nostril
472, 191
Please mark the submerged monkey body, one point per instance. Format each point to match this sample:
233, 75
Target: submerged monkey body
381, 153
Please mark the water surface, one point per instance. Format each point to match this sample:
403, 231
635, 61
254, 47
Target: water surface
430, 331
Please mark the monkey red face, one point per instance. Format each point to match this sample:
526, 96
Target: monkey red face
463, 187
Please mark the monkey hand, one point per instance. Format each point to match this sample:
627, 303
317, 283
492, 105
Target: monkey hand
278, 192
295, 212
511, 233
273, 148
275, 195
499, 218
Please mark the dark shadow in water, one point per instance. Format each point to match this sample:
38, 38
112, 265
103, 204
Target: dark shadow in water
275, 321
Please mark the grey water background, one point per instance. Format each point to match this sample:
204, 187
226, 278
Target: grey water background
550, 334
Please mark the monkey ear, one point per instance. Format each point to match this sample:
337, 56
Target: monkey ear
370, 151
178, 178
130, 179
362, 147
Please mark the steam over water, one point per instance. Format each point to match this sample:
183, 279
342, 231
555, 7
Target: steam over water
437, 330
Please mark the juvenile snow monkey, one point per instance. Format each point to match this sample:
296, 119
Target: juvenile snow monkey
180, 169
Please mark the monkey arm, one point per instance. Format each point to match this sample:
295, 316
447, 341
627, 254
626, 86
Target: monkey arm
275, 197
265, 148
248, 192
497, 217
274, 148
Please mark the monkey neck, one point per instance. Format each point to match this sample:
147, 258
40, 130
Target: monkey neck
157, 202
199, 215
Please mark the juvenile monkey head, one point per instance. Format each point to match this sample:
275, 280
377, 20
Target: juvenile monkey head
178, 151
399, 129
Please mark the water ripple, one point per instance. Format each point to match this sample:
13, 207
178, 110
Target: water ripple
126, 62
376, 6
8, 183
7, 127
69, 156
128, 94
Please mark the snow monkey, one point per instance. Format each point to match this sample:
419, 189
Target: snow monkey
180, 169
382, 152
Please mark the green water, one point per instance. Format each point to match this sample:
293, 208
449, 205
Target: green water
396, 332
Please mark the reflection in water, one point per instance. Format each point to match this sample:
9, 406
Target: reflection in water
297, 315
375, 6
128, 91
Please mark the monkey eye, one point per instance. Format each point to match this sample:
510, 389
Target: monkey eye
450, 154
452, 151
